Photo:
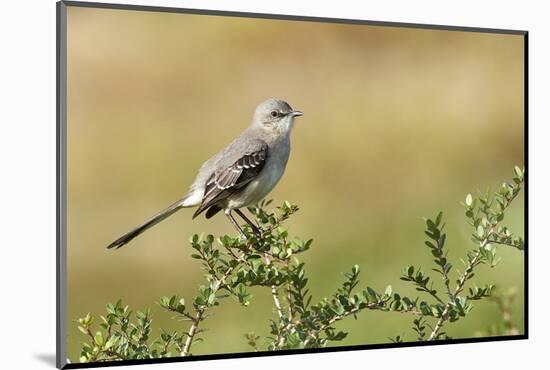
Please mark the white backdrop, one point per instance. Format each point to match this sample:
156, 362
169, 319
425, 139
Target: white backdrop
27, 155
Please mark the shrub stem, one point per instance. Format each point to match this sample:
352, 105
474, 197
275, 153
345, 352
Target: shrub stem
191, 333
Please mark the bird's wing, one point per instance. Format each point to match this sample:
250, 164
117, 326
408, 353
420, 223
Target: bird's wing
229, 178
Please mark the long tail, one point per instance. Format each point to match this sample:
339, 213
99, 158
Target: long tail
126, 238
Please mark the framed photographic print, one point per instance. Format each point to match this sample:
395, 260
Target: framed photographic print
234, 184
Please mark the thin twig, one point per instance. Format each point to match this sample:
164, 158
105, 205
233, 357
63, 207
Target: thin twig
501, 242
370, 306
274, 293
458, 289
447, 281
289, 297
191, 333
473, 262
276, 300
432, 293
329, 323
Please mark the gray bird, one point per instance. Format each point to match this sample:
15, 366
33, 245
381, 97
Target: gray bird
240, 175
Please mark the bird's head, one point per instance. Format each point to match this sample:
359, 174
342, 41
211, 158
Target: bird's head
275, 116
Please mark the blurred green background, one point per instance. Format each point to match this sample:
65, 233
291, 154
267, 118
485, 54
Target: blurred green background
399, 124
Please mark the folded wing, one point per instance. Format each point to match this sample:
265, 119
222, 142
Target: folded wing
228, 179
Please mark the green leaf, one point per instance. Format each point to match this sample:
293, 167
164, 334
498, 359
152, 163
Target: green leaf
88, 319
111, 342
469, 200
84, 331
164, 301
429, 244
480, 231
172, 301
98, 338
438, 218
372, 293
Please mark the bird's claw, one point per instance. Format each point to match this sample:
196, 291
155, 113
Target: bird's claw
257, 230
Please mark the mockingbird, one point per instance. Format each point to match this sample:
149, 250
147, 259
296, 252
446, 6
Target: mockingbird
240, 175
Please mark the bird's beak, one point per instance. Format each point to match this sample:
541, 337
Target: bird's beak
295, 113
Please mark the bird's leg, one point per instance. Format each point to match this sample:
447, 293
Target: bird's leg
254, 228
227, 212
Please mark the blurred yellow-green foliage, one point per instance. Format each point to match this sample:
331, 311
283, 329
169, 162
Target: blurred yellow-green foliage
399, 124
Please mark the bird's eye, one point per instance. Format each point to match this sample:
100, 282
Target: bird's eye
274, 114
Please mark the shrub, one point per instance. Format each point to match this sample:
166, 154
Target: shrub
271, 260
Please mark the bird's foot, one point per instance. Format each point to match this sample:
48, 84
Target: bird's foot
257, 230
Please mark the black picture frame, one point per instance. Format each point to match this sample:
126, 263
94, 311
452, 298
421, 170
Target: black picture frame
61, 186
